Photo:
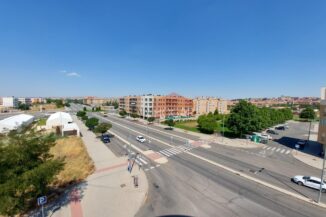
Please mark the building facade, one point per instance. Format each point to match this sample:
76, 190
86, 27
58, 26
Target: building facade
8, 102
322, 122
24, 100
157, 106
204, 105
95, 101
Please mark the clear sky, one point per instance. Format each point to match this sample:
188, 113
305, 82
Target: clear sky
230, 49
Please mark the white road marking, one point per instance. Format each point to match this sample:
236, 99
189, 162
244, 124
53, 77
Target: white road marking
273, 149
166, 153
287, 152
278, 149
265, 147
139, 163
283, 150
143, 161
269, 148
158, 165
146, 169
175, 151
152, 167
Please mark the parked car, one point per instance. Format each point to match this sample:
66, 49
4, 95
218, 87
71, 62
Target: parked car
271, 131
280, 128
140, 139
309, 181
301, 144
105, 138
266, 136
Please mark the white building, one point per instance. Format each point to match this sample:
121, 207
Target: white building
70, 129
323, 93
15, 122
8, 102
58, 119
147, 106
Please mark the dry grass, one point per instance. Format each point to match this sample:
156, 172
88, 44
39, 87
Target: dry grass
78, 164
45, 107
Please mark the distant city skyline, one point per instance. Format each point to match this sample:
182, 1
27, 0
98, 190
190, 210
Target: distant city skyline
231, 49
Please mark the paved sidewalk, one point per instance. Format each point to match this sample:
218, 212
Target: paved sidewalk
110, 190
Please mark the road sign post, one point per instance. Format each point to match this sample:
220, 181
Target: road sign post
40, 202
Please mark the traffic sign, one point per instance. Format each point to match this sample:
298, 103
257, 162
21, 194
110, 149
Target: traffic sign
41, 200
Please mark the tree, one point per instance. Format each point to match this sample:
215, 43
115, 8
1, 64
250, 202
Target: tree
170, 123
59, 103
123, 113
207, 123
150, 119
27, 170
244, 118
23, 106
308, 113
91, 123
103, 127
134, 115
115, 104
84, 109
85, 118
81, 113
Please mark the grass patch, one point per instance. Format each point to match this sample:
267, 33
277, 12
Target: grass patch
187, 125
41, 122
78, 164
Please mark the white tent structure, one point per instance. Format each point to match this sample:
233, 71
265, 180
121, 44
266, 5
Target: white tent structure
15, 122
70, 129
58, 119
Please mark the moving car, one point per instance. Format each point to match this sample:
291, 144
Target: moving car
309, 181
140, 139
105, 138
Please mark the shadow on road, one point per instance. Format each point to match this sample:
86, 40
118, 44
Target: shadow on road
73, 194
313, 148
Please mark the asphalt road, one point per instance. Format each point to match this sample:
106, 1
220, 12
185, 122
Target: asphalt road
189, 186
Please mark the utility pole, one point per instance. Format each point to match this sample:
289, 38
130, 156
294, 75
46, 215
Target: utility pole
322, 179
223, 129
309, 131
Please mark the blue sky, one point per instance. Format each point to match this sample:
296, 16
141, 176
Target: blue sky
230, 49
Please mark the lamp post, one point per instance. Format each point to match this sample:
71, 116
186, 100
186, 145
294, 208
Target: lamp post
322, 179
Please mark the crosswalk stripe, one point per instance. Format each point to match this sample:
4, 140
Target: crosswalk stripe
158, 165
268, 148
265, 147
283, 150
165, 153
278, 149
139, 163
273, 149
152, 167
174, 151
144, 162
287, 152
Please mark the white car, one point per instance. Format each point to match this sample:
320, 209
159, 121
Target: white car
309, 181
140, 139
266, 136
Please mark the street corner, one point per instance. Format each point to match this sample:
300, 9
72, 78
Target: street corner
156, 157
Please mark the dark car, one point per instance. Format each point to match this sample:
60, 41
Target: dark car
280, 128
272, 132
105, 138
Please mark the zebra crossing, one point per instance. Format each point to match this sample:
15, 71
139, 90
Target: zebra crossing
176, 150
277, 150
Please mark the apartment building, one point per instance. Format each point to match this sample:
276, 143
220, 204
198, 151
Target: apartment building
24, 100
322, 122
157, 106
204, 105
8, 102
95, 101
37, 100
131, 104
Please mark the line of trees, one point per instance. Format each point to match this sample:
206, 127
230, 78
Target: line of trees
93, 123
247, 118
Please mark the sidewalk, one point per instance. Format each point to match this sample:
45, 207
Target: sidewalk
110, 190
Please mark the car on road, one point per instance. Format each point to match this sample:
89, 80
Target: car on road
301, 144
105, 138
271, 131
309, 181
140, 139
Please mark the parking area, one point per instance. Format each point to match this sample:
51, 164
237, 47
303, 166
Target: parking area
296, 133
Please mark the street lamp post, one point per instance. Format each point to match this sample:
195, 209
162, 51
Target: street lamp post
321, 179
